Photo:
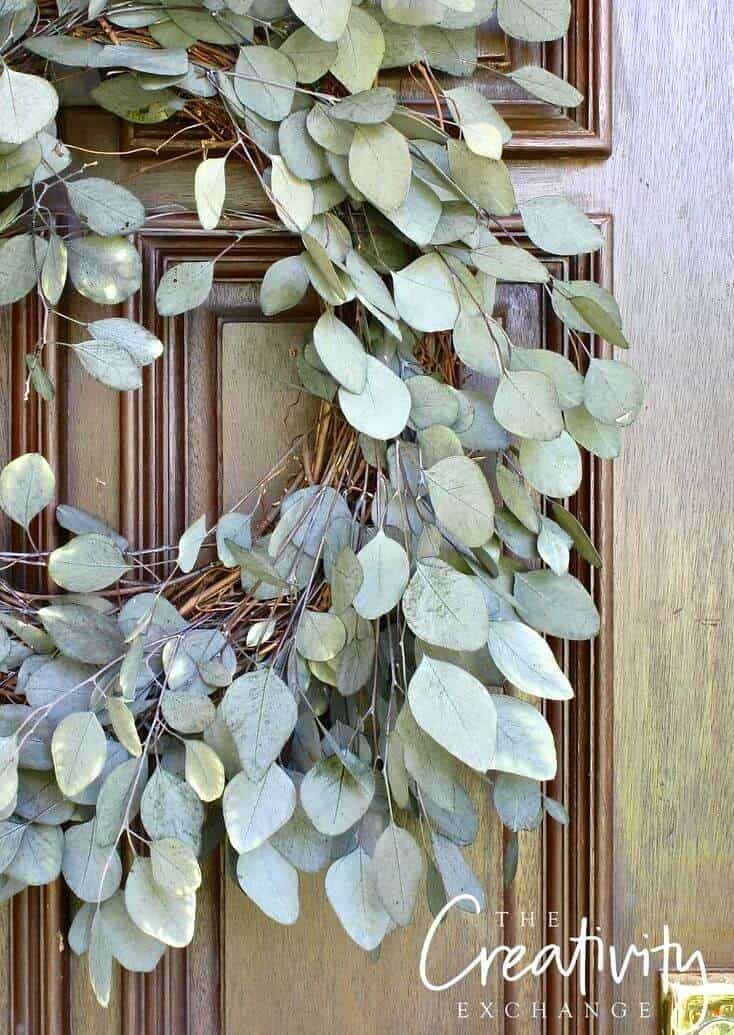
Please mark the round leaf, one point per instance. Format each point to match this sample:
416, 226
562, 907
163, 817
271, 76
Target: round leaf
79, 750
446, 608
380, 165
27, 485
553, 468
525, 659
382, 408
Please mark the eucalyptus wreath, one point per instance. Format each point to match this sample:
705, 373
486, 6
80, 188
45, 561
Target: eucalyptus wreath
307, 683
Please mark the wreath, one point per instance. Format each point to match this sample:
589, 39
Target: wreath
310, 683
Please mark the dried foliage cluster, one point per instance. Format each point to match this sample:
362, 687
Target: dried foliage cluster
312, 685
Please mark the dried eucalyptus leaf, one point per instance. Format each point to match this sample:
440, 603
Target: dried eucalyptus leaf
613, 392
79, 750
603, 440
569, 383
361, 49
484, 181
518, 801
458, 878
453, 708
107, 208
92, 872
119, 800
385, 573
271, 882
133, 949
284, 285
553, 468
174, 867
27, 485
204, 770
293, 197
557, 226
461, 499
106, 269
83, 633
566, 294
254, 810
27, 104
578, 534
124, 96
184, 286
425, 294
526, 404
209, 191
351, 888
526, 660
320, 636
168, 918
556, 604
260, 713
341, 352
446, 608
380, 165
170, 808
547, 86
508, 262
517, 498
311, 55
327, 20
79, 521
38, 858
382, 408
87, 563
337, 792
264, 81
100, 962
21, 261
534, 20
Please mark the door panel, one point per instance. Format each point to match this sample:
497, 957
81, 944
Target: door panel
213, 416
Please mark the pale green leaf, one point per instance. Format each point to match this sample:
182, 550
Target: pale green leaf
534, 20
382, 408
526, 404
426, 295
174, 867
445, 607
568, 381
556, 604
385, 570
526, 660
253, 811
204, 770
184, 286
558, 226
106, 269
351, 888
453, 708
271, 882
27, 104
380, 165
27, 485
461, 499
210, 189
264, 80
92, 872
361, 48
525, 742
168, 918
106, 207
260, 713
484, 181
79, 750
603, 440
341, 352
547, 86
337, 792
553, 468
613, 392
87, 563
327, 20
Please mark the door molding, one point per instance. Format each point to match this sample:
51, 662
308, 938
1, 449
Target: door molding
583, 57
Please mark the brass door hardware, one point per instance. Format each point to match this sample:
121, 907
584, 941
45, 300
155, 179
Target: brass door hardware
689, 1007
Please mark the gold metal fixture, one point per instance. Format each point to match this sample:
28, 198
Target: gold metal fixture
689, 1007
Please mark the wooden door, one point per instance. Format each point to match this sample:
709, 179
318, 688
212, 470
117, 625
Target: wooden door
650, 841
